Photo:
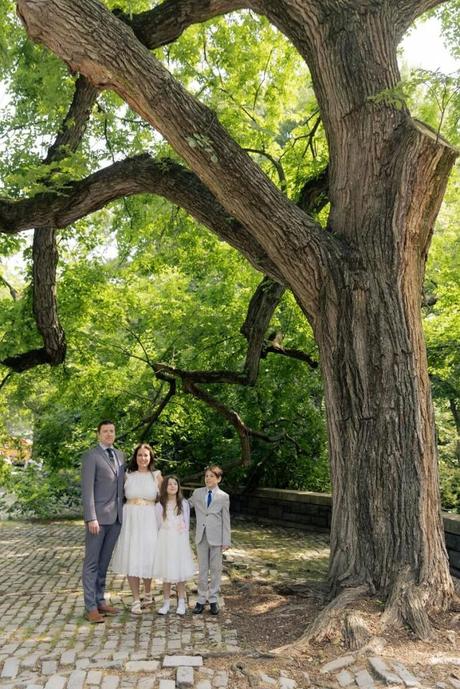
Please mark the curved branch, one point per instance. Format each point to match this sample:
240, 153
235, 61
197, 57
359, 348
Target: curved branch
140, 174
276, 164
229, 414
13, 292
44, 249
407, 11
166, 22
149, 420
114, 59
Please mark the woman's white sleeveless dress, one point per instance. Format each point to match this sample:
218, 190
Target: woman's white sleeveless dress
134, 553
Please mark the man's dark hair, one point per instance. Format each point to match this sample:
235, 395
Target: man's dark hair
105, 422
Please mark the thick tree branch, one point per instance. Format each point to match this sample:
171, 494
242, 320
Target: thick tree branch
407, 11
114, 59
166, 22
44, 249
135, 175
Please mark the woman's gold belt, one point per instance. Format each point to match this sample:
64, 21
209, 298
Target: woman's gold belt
139, 501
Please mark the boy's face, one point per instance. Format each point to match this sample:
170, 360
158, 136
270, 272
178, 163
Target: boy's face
211, 480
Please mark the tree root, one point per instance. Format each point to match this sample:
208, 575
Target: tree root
326, 625
408, 604
357, 633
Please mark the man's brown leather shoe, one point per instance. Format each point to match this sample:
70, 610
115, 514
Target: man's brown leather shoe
94, 616
106, 609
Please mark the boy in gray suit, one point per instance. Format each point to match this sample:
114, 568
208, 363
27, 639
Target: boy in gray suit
102, 475
212, 510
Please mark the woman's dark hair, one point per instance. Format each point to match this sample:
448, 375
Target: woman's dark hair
163, 499
132, 464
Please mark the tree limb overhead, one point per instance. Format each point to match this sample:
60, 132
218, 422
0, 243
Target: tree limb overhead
140, 174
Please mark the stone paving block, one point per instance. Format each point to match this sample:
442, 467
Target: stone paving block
203, 684
142, 665
269, 681
146, 683
82, 663
30, 660
406, 676
76, 679
382, 670
49, 667
167, 684
94, 677
364, 680
287, 683
184, 677
110, 682
10, 668
345, 678
455, 682
56, 682
220, 679
338, 664
188, 661
68, 658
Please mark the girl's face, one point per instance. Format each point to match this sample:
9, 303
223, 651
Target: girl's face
143, 458
172, 487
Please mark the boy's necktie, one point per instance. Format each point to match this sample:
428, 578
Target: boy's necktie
208, 502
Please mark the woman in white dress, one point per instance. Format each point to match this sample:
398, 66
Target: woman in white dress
173, 559
134, 552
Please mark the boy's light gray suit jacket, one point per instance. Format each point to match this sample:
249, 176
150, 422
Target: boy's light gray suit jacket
215, 518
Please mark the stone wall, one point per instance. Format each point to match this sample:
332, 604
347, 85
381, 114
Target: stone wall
313, 510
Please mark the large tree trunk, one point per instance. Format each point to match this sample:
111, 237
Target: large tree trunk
387, 179
359, 283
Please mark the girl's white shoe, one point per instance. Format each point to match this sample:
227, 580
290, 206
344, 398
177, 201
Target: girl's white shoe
164, 608
180, 610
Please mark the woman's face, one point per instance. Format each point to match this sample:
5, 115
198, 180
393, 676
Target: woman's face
172, 486
143, 458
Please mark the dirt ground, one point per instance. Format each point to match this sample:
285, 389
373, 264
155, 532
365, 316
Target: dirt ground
276, 587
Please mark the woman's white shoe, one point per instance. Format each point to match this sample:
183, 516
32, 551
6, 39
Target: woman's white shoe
136, 608
164, 608
180, 610
148, 601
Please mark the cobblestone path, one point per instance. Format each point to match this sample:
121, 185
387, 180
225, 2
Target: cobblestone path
45, 642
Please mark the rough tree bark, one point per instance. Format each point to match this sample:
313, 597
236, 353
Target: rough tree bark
359, 283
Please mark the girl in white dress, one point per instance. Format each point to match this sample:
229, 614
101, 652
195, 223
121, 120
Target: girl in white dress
173, 559
134, 552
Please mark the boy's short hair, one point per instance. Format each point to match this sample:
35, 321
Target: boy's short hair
215, 469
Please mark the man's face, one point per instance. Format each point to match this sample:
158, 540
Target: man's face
106, 434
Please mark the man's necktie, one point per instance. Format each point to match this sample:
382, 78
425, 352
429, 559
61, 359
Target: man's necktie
208, 501
111, 454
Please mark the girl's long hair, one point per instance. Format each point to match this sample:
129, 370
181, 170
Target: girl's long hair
163, 499
132, 464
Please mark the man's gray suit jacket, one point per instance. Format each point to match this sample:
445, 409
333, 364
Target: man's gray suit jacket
215, 518
102, 486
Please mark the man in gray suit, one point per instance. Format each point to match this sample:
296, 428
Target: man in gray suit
212, 510
102, 475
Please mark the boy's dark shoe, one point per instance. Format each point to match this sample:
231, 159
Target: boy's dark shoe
214, 608
198, 609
